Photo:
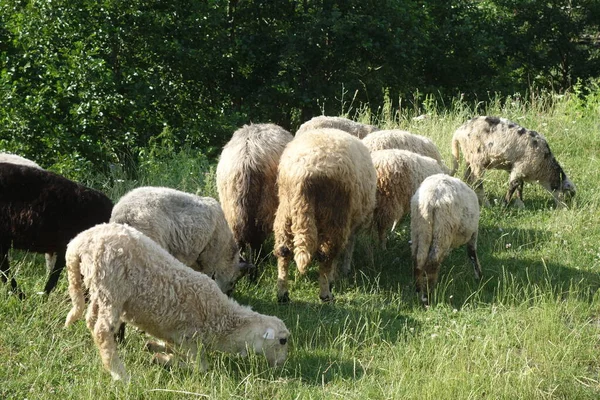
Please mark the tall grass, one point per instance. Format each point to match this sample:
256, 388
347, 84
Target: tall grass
530, 329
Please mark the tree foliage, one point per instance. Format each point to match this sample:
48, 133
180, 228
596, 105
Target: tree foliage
94, 81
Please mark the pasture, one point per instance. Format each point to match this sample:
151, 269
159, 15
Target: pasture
530, 329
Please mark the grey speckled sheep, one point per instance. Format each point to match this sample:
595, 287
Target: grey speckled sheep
15, 159
497, 143
444, 215
403, 140
354, 128
192, 228
327, 187
129, 277
246, 181
399, 174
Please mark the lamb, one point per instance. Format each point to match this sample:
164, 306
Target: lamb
131, 278
246, 182
444, 215
404, 140
399, 174
15, 159
497, 143
41, 211
354, 128
192, 228
327, 188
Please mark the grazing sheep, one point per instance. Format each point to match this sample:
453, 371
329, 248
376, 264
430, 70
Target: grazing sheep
131, 278
399, 174
444, 215
403, 140
192, 228
15, 159
246, 182
497, 143
327, 187
41, 211
354, 128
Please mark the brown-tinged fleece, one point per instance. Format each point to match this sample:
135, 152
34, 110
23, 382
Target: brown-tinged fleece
444, 215
404, 140
130, 278
399, 174
327, 186
497, 143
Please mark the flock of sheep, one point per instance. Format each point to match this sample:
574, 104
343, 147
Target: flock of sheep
165, 261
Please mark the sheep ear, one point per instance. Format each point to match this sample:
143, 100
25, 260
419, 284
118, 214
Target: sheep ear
269, 334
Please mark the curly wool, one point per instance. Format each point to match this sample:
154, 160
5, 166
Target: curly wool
131, 278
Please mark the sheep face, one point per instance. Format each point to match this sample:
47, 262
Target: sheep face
274, 345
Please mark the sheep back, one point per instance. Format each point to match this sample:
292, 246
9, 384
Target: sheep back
404, 140
497, 143
246, 181
15, 159
192, 228
352, 127
399, 174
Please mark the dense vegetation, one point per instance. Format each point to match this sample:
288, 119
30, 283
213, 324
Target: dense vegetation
530, 329
90, 83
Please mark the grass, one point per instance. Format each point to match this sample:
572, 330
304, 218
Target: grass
530, 329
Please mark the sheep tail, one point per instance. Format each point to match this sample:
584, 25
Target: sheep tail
73, 262
455, 155
424, 241
304, 228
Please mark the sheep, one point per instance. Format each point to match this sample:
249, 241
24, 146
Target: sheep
354, 128
192, 228
15, 159
41, 211
327, 188
246, 183
404, 140
444, 215
497, 143
131, 278
399, 174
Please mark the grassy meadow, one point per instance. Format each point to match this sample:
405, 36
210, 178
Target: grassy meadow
530, 329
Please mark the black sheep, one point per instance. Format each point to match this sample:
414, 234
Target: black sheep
41, 212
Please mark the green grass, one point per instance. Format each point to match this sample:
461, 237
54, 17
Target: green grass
530, 329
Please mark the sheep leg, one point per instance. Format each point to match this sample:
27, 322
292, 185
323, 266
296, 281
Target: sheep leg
284, 257
326, 272
55, 273
105, 326
514, 185
472, 253
346, 267
5, 270
425, 278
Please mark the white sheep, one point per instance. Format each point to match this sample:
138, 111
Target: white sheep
129, 277
327, 187
246, 182
444, 215
404, 140
15, 159
354, 128
399, 174
192, 228
497, 143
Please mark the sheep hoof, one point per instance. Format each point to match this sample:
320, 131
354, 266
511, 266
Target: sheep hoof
283, 298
